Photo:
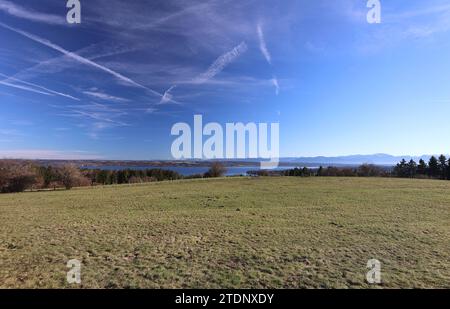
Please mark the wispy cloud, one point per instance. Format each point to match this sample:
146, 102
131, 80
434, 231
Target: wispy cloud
265, 52
424, 11
96, 117
421, 22
105, 97
151, 110
418, 21
93, 117
10, 135
22, 123
10, 132
31, 154
184, 10
221, 63
32, 15
262, 44
98, 112
276, 85
43, 90
79, 58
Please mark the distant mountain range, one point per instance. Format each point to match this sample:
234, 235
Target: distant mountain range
378, 159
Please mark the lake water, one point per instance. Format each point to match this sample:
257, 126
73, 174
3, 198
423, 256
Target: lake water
188, 171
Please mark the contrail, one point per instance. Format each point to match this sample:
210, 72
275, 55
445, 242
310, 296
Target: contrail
167, 97
24, 88
267, 55
221, 63
263, 45
79, 58
37, 86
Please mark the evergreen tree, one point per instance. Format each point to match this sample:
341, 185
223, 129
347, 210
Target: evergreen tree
305, 172
422, 168
102, 177
401, 170
122, 177
442, 167
433, 167
412, 168
448, 169
320, 171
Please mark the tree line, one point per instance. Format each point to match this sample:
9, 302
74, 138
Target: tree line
19, 176
436, 168
365, 170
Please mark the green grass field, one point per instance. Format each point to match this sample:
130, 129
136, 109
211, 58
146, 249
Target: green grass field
230, 233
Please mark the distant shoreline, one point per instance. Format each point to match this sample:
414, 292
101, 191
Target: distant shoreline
189, 163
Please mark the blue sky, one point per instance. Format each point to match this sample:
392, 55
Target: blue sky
113, 86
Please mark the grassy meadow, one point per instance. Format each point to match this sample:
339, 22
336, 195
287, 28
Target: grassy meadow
230, 233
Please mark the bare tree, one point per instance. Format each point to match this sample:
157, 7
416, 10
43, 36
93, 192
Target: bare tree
70, 176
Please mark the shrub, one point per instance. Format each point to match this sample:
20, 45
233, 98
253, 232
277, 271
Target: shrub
16, 176
369, 170
134, 180
70, 176
216, 170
